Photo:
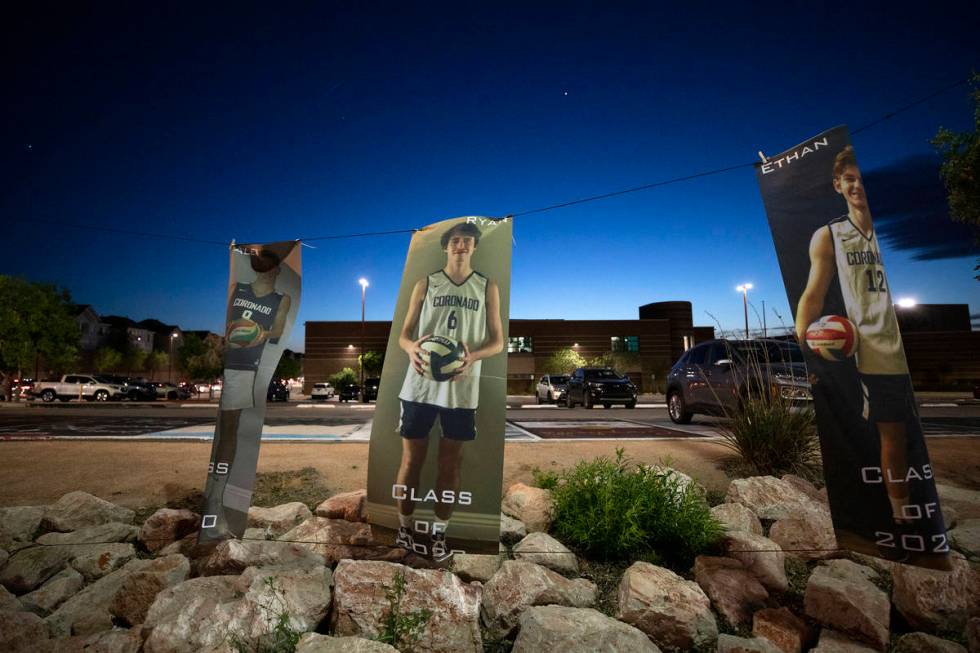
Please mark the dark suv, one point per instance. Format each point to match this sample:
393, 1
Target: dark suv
371, 386
715, 376
278, 391
599, 385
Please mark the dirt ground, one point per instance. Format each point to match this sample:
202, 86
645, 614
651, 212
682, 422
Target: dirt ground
143, 475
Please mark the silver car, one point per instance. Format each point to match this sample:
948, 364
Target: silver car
551, 387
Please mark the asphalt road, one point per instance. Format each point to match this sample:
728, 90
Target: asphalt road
334, 421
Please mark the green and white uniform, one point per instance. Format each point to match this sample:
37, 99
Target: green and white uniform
458, 312
867, 299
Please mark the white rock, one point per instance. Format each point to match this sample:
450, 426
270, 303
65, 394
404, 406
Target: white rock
675, 613
511, 530
19, 523
278, 519
101, 533
77, 510
351, 506
533, 506
360, 604
475, 567
772, 498
165, 526
736, 517
966, 537
53, 593
234, 556
88, 611
840, 596
316, 643
94, 561
761, 556
19, 629
544, 550
559, 629
937, 601
30, 567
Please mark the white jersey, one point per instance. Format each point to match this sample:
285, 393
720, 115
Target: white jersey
867, 299
458, 312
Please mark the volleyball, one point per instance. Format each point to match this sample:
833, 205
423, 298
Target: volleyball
832, 337
243, 333
441, 357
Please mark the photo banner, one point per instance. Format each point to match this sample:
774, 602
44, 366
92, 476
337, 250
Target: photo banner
435, 464
880, 483
263, 299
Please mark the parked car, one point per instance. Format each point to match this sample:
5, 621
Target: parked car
278, 390
170, 391
599, 385
350, 392
371, 386
321, 392
77, 386
713, 377
550, 388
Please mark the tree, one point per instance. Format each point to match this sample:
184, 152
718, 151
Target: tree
200, 359
156, 361
288, 368
373, 362
961, 166
107, 359
133, 358
617, 360
563, 361
36, 323
342, 379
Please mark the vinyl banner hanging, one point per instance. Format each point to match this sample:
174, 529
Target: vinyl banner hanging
879, 481
437, 442
263, 298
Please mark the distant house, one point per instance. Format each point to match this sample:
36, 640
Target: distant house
166, 337
93, 331
124, 330
207, 336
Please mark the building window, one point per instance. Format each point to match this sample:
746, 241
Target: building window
625, 344
520, 345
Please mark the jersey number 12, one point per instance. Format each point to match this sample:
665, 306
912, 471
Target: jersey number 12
873, 278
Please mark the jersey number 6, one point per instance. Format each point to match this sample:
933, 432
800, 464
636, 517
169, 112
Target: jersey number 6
451, 321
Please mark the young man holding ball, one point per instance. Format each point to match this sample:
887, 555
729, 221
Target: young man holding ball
848, 247
459, 303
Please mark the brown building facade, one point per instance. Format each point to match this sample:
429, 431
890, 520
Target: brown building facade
644, 348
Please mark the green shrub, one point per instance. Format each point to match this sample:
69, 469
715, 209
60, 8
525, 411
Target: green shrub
616, 510
401, 629
283, 637
771, 438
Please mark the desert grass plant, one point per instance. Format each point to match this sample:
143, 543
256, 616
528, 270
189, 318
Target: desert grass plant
401, 629
612, 509
771, 437
282, 638
768, 432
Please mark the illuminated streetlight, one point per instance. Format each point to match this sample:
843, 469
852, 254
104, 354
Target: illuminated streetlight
364, 285
744, 289
170, 360
907, 302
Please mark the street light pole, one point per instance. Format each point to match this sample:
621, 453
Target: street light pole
170, 359
744, 289
364, 285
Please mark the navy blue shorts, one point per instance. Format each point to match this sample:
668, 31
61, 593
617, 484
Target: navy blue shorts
417, 421
889, 397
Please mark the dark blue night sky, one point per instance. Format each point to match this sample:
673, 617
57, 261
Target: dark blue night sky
333, 118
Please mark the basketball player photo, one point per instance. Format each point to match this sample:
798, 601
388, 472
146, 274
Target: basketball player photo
880, 483
256, 322
453, 324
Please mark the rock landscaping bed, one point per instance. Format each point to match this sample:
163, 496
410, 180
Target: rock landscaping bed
82, 574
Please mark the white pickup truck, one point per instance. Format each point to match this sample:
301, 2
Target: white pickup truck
77, 386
